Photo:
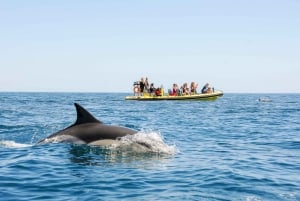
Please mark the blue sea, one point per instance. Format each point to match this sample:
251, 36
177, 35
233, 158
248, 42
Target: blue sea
233, 148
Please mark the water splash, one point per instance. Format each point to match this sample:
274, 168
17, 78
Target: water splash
143, 142
13, 144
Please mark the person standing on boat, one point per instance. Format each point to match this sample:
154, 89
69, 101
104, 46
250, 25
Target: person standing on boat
142, 85
152, 89
146, 85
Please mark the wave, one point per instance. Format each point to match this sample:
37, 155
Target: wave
13, 144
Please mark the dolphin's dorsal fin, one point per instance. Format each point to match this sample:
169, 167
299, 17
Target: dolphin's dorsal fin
83, 116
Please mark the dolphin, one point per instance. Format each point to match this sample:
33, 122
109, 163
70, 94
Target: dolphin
88, 130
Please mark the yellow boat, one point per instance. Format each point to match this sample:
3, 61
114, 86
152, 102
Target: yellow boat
199, 96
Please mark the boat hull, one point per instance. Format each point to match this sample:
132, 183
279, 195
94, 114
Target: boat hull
207, 96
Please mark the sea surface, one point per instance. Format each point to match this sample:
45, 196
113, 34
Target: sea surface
233, 148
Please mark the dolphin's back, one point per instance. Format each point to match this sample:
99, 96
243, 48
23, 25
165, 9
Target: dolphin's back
87, 129
89, 132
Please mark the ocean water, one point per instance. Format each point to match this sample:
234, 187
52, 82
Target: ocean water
234, 148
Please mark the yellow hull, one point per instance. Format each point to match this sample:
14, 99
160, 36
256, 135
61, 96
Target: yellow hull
148, 97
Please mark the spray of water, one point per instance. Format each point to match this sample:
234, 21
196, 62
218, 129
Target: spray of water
144, 141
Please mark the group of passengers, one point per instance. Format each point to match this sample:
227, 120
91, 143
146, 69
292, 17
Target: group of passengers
184, 90
141, 87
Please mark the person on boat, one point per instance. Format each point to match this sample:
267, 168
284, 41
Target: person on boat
152, 89
206, 89
158, 92
175, 91
193, 88
146, 87
185, 89
142, 85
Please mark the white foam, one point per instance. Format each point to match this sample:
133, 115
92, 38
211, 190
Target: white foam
145, 141
13, 144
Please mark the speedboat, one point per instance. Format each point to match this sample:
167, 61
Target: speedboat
196, 96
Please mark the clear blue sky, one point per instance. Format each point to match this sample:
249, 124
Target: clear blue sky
105, 45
